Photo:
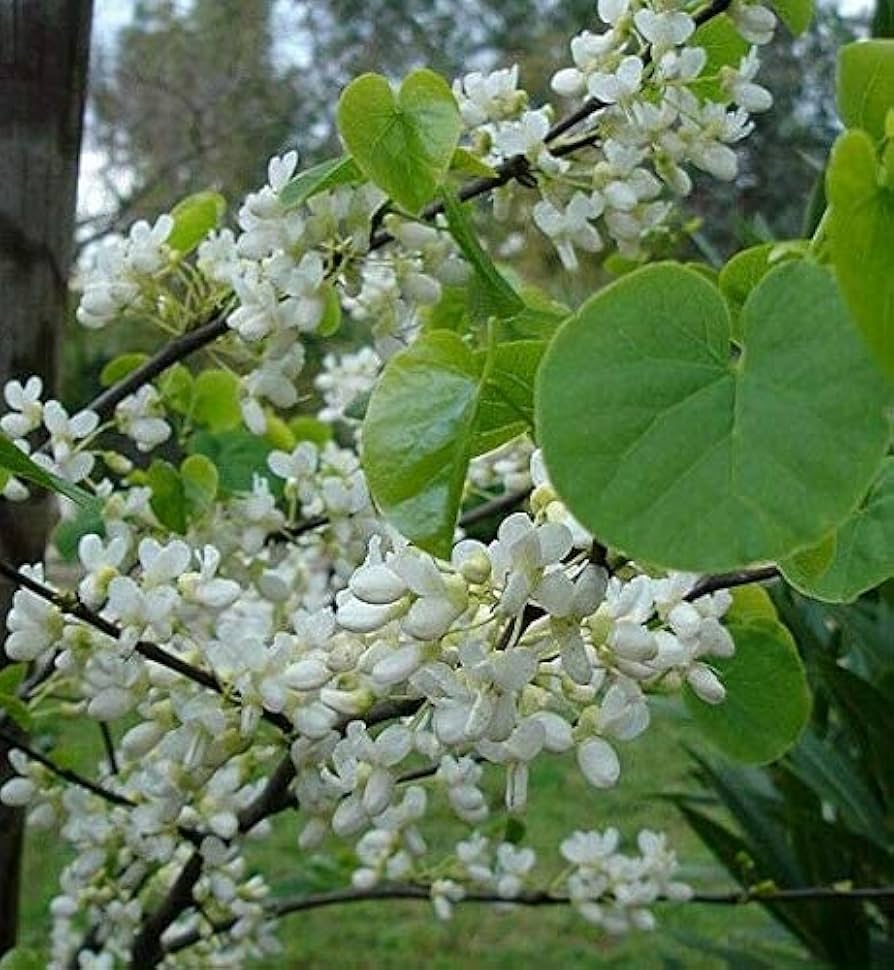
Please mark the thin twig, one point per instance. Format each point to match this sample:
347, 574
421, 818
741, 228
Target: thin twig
744, 577
409, 891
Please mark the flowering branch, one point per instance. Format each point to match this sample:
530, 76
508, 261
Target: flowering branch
419, 892
149, 651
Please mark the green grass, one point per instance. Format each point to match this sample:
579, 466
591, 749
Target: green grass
386, 935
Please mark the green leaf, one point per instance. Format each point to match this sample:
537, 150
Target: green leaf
826, 771
795, 14
417, 437
238, 457
200, 483
465, 162
17, 709
862, 549
176, 388
194, 217
767, 701
216, 400
22, 958
19, 464
492, 294
861, 240
865, 85
668, 449
305, 428
69, 532
746, 269
724, 47
319, 178
117, 369
750, 603
168, 500
403, 143
506, 409
331, 319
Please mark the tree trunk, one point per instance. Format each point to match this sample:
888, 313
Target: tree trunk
44, 48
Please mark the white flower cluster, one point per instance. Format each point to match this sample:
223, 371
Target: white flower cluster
614, 890
67, 436
290, 625
121, 271
513, 650
654, 112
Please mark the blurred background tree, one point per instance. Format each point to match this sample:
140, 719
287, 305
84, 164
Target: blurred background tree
191, 94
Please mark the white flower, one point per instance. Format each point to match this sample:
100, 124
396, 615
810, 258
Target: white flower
621, 85
102, 562
65, 432
570, 228
27, 407
599, 763
146, 251
739, 83
34, 624
489, 97
139, 417
754, 22
281, 169
520, 554
204, 587
664, 30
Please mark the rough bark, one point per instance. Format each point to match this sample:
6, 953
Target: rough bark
43, 65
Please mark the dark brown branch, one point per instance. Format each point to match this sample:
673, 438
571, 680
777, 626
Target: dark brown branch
66, 774
178, 349
409, 891
711, 584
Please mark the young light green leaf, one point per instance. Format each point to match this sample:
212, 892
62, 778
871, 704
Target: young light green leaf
417, 437
506, 409
492, 295
200, 484
19, 464
795, 14
669, 450
865, 85
861, 240
724, 47
216, 400
168, 500
767, 702
319, 178
118, 368
862, 549
194, 217
175, 386
468, 164
405, 142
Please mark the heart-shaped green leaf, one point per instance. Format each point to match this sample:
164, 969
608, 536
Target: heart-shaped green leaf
861, 238
862, 549
405, 142
767, 699
417, 437
667, 448
865, 84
